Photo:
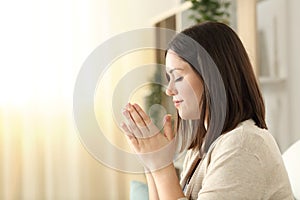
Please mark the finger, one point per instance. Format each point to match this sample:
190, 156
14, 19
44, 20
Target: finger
148, 129
143, 127
133, 142
135, 115
151, 127
131, 124
168, 127
125, 129
152, 130
143, 115
131, 139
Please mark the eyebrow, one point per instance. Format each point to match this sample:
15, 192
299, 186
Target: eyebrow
171, 71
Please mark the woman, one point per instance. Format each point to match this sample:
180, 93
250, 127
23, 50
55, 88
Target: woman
221, 121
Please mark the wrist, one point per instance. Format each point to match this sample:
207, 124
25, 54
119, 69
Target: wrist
167, 183
165, 172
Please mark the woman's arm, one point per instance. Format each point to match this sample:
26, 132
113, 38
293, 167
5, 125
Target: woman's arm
167, 183
153, 195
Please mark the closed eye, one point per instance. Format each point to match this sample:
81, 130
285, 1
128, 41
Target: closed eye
168, 77
179, 79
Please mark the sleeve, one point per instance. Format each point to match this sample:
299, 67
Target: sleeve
233, 174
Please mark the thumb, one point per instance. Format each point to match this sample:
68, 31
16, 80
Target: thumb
168, 127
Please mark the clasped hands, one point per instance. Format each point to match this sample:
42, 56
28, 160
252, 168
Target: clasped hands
154, 149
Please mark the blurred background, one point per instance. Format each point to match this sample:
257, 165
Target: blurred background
43, 45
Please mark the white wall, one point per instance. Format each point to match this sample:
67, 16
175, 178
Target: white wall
278, 47
293, 46
272, 66
133, 14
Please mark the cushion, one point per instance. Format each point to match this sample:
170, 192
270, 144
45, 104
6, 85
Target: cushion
292, 164
138, 190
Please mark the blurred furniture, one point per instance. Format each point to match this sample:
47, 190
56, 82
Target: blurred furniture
138, 191
291, 158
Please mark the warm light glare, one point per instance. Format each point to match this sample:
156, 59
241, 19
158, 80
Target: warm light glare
42, 47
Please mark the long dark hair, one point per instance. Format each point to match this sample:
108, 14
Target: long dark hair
242, 98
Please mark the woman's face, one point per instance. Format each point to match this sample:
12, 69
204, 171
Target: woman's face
185, 86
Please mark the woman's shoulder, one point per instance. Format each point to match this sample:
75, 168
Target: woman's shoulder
248, 137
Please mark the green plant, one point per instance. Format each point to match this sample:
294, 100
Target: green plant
210, 10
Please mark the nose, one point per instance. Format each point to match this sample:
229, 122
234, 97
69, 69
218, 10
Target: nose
171, 90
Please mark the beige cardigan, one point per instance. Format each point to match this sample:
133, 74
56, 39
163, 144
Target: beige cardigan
243, 164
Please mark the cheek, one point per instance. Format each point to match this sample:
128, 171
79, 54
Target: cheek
190, 106
197, 88
188, 92
199, 93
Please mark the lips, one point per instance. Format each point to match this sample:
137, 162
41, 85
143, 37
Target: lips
177, 103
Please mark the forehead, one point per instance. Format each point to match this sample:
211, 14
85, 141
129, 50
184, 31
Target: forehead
173, 61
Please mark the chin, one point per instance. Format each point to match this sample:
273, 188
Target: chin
192, 115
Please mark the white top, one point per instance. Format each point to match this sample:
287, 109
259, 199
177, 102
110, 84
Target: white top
244, 163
